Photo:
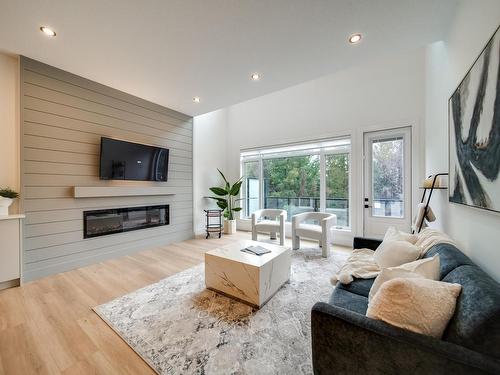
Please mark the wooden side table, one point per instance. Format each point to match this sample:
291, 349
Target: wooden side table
214, 222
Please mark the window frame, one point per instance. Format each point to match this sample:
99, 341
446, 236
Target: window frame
243, 190
349, 192
322, 149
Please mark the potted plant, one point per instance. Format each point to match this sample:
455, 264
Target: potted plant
226, 200
7, 196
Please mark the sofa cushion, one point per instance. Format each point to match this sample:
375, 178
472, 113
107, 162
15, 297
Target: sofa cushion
417, 304
476, 322
395, 253
423, 268
394, 234
449, 258
349, 301
358, 286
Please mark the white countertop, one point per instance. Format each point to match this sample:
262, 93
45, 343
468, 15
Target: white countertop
12, 217
233, 252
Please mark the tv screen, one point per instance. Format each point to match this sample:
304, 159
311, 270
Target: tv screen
121, 160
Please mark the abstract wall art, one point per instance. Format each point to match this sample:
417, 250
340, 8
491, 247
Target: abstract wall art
474, 133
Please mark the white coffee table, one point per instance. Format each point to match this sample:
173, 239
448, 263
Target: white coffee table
249, 278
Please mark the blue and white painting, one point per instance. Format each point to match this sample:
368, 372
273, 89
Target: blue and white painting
474, 121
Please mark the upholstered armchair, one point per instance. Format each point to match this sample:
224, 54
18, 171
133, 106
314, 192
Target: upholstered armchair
269, 221
321, 231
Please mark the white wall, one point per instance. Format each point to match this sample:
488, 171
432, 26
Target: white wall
209, 153
9, 123
382, 93
447, 62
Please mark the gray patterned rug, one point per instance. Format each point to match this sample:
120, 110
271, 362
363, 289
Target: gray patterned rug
179, 327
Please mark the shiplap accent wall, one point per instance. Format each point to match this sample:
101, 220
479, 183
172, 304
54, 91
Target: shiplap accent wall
63, 117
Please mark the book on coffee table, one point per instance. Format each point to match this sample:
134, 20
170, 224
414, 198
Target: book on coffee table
256, 250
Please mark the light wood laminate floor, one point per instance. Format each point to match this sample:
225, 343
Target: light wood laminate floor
47, 326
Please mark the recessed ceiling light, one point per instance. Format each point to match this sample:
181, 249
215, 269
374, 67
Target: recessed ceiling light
196, 99
255, 76
355, 38
47, 31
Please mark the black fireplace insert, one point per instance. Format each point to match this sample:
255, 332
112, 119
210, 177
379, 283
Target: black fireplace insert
117, 220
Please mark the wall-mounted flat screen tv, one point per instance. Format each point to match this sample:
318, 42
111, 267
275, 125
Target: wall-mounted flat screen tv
121, 160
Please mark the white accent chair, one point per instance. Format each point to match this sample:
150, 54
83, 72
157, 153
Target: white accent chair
270, 221
322, 232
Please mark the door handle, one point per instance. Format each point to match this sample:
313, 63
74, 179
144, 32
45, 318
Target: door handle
366, 202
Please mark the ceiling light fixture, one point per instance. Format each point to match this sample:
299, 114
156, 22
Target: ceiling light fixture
196, 99
255, 76
47, 31
355, 38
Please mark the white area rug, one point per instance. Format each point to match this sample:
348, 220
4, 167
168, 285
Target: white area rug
179, 327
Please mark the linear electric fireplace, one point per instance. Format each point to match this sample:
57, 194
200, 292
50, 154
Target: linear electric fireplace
118, 220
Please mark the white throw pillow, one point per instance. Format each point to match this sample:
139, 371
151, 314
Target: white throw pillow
395, 253
388, 274
419, 305
393, 234
427, 268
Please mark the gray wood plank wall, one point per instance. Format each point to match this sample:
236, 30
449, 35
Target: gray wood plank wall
63, 117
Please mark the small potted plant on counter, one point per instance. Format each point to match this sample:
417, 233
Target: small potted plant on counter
7, 196
226, 200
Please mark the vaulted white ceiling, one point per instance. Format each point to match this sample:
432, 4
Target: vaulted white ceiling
172, 50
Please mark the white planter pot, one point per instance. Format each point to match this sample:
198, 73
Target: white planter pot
229, 226
4, 205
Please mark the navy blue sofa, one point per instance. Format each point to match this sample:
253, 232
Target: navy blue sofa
345, 341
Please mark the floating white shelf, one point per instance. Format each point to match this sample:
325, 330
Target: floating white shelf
120, 191
12, 217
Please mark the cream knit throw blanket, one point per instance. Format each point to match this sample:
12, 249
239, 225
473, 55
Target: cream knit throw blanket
430, 237
361, 265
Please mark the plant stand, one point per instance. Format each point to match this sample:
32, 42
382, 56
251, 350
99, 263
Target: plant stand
214, 222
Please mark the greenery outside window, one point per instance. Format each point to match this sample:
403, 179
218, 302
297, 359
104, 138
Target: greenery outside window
299, 178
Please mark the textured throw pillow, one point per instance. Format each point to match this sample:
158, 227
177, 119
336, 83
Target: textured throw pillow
419, 305
426, 268
395, 253
393, 234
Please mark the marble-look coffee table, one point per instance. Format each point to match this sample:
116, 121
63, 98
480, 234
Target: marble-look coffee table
249, 278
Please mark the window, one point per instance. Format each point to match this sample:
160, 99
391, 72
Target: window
300, 178
387, 177
337, 186
292, 183
251, 187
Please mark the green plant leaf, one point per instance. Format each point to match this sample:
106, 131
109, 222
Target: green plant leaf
218, 191
222, 205
224, 177
237, 209
8, 193
235, 190
218, 199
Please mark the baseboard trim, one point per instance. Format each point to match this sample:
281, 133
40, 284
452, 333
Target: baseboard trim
10, 284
